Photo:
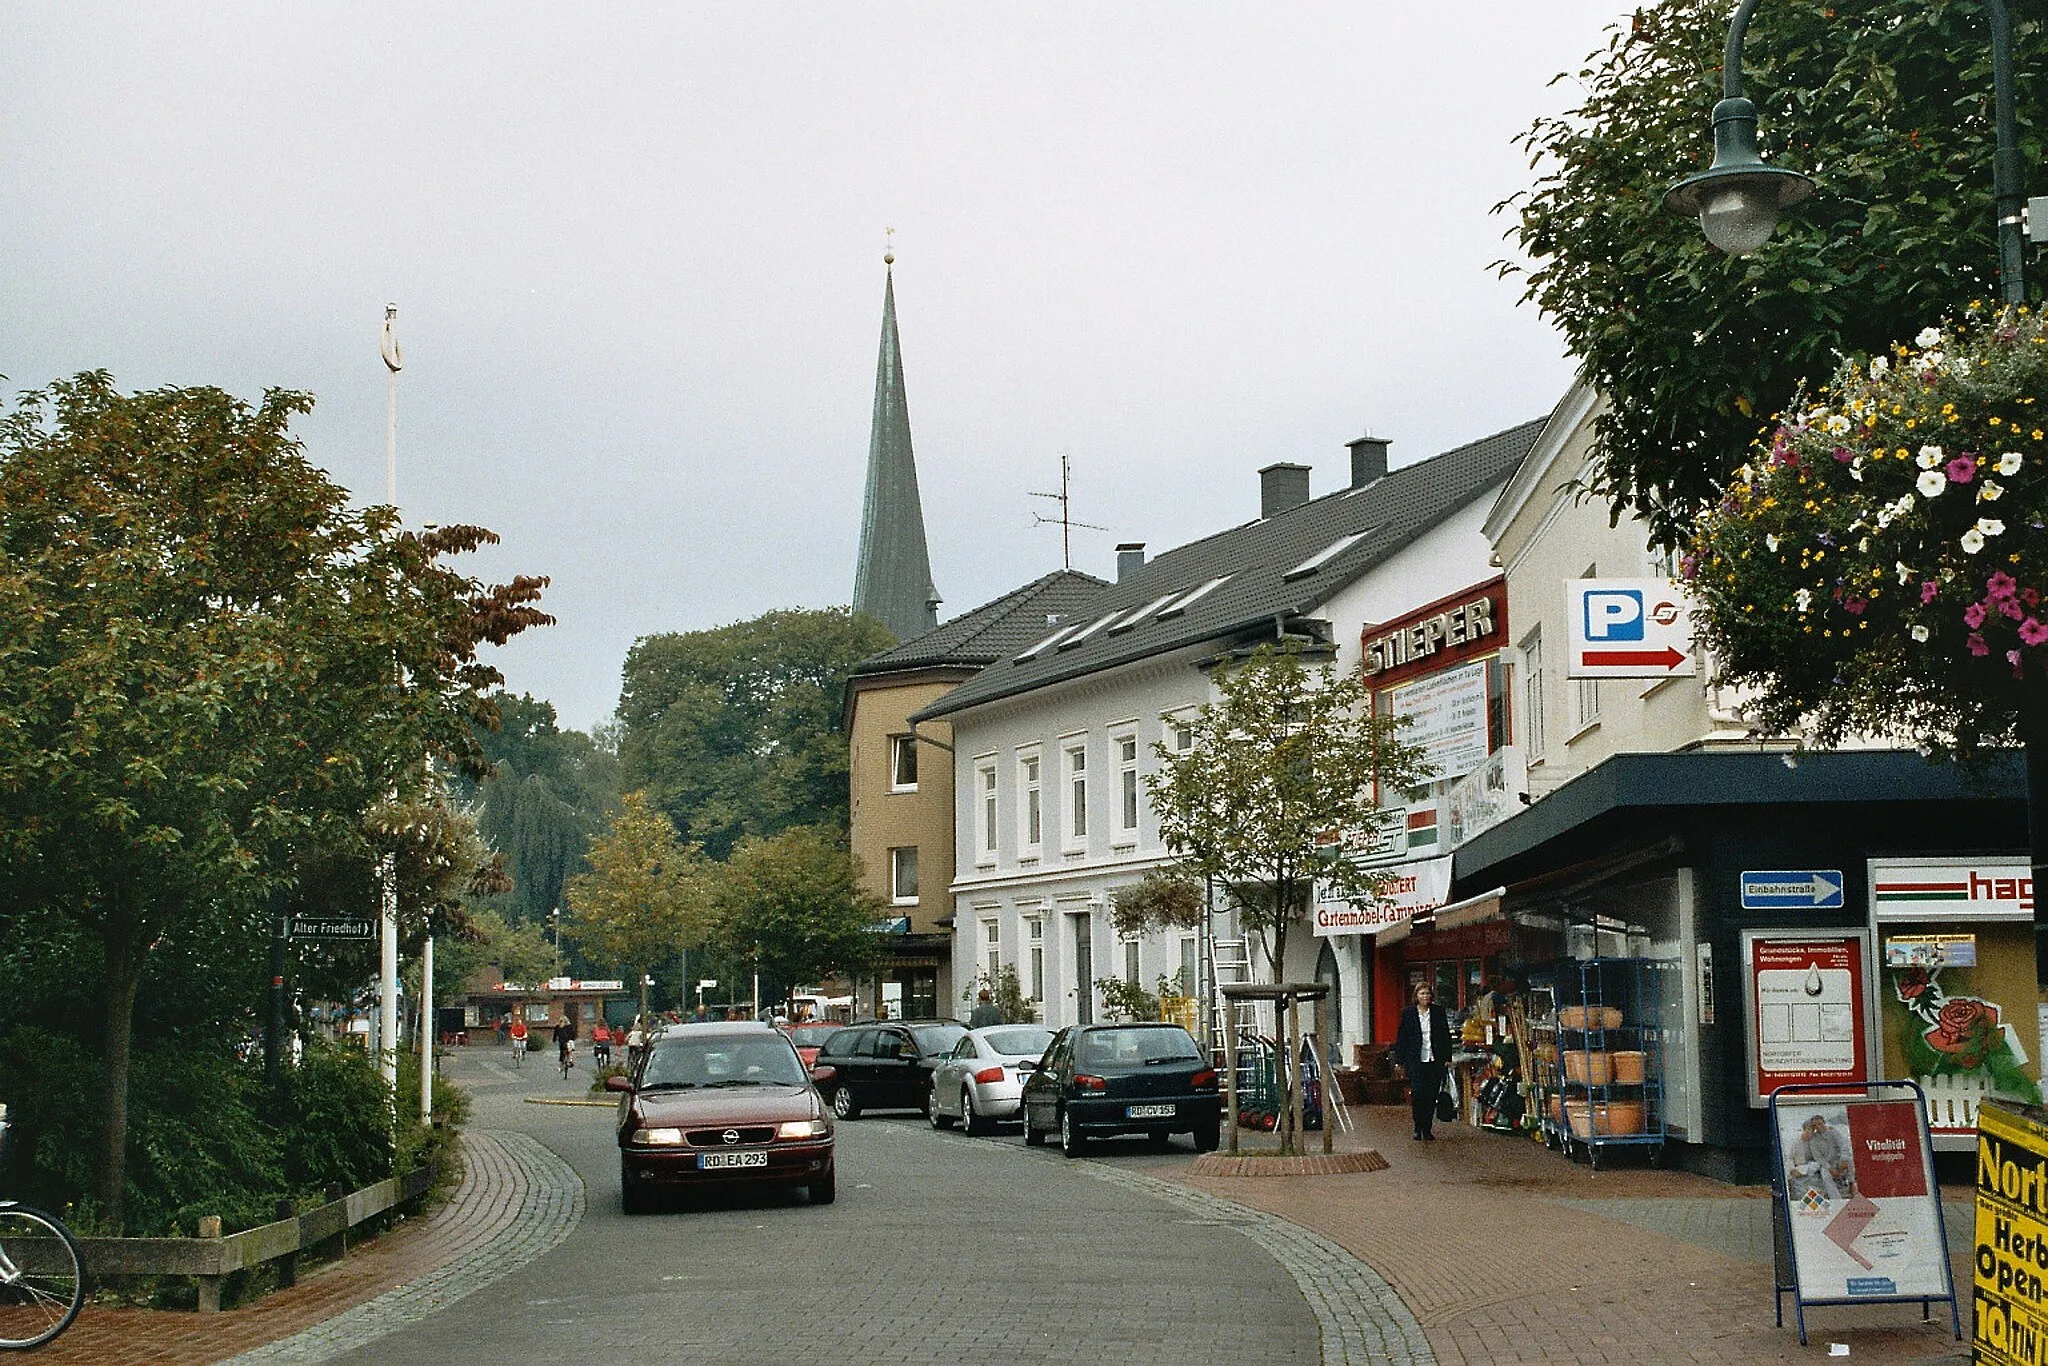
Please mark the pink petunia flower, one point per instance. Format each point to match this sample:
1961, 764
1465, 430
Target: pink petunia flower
1962, 469
1977, 645
2033, 632
1973, 615
2011, 608
1843, 455
1999, 586
1927, 591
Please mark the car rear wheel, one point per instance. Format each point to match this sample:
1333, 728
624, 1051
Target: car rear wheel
1206, 1137
1071, 1141
970, 1122
844, 1106
932, 1112
1033, 1138
826, 1191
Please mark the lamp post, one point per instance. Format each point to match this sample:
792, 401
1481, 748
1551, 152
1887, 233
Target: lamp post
1738, 198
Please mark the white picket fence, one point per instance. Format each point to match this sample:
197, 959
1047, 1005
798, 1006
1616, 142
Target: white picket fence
1952, 1100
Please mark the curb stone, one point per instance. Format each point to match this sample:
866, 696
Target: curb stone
551, 1203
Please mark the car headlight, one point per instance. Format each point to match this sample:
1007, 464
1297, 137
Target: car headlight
656, 1137
803, 1128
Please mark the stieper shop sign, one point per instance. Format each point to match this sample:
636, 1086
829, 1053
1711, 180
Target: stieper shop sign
1627, 628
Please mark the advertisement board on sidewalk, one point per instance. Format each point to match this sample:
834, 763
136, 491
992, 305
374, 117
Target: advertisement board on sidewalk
1860, 1193
2011, 1292
1808, 1018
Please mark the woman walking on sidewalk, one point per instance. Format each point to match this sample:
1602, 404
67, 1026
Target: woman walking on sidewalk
1422, 1047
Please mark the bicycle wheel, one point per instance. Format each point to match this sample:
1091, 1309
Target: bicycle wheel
42, 1281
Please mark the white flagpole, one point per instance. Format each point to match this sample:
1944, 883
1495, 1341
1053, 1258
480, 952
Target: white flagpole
387, 866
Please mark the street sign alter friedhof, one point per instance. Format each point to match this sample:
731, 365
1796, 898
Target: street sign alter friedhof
312, 927
1627, 628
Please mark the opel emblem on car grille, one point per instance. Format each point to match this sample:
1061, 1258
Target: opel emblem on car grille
732, 1135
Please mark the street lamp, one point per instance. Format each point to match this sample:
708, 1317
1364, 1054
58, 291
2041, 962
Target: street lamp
1738, 198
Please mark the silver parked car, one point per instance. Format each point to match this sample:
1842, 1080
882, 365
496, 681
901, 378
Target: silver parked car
981, 1080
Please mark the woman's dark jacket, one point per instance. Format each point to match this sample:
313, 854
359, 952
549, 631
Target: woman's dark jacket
1408, 1042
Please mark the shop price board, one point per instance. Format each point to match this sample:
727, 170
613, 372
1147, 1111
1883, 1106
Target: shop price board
1857, 1208
1808, 1018
2011, 1290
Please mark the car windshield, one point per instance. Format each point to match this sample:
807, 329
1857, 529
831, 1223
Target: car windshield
937, 1038
1019, 1043
1138, 1047
812, 1036
752, 1060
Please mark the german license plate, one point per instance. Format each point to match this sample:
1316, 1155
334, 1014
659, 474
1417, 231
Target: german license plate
1149, 1111
717, 1161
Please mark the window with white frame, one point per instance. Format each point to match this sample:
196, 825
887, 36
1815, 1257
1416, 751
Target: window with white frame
1077, 793
985, 811
1127, 788
1586, 691
1181, 733
903, 763
992, 935
1034, 935
1532, 694
903, 875
1131, 961
1030, 806
1190, 959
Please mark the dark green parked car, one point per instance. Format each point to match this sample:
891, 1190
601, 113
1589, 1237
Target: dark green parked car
1105, 1079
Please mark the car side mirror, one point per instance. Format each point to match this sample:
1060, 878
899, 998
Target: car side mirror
617, 1083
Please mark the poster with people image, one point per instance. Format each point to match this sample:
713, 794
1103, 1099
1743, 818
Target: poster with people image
1860, 1198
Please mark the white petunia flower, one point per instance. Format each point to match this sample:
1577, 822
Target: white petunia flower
1884, 516
1990, 491
1920, 634
1930, 456
1804, 599
1856, 469
1879, 365
1929, 336
1904, 505
2009, 463
1991, 526
1771, 544
1905, 573
1863, 546
1972, 540
1836, 425
1931, 483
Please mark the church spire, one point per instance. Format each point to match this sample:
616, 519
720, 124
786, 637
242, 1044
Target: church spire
893, 581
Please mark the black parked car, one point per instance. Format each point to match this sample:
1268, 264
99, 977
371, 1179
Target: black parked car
883, 1064
1098, 1080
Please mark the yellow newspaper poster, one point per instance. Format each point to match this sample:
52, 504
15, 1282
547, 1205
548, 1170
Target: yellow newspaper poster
2011, 1291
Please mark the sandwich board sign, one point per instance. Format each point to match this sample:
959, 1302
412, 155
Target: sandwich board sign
1628, 628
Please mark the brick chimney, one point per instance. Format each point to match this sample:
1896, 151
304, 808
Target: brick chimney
1368, 460
1282, 487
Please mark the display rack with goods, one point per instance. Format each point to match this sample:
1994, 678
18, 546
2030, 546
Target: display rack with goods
1600, 1082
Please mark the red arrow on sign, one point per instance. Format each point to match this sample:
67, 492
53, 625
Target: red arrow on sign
1667, 658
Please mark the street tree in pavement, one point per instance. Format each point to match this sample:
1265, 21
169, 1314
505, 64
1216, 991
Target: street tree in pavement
646, 895
1885, 102
791, 905
1287, 757
735, 731
206, 658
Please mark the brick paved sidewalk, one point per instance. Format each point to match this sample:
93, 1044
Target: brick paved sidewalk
514, 1197
1506, 1253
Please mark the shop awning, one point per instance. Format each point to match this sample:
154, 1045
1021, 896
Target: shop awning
1471, 911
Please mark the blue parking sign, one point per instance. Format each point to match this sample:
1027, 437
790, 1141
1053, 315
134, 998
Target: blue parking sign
1614, 614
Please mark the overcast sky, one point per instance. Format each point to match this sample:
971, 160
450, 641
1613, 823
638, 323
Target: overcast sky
637, 254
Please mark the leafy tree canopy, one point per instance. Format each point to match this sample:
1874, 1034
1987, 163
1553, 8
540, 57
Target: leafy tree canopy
550, 791
646, 895
1886, 103
1287, 753
735, 732
792, 905
206, 656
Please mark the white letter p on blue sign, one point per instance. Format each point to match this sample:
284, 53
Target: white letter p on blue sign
1614, 614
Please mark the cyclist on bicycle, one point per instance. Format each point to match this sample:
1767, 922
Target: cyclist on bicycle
565, 1043
601, 1044
518, 1040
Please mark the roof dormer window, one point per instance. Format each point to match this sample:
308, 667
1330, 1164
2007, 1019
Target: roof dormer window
1189, 599
1324, 556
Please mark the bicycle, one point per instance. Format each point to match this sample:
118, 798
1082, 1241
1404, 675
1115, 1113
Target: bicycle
42, 1279
519, 1050
568, 1059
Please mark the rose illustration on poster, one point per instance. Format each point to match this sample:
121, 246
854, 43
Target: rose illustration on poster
1943, 1034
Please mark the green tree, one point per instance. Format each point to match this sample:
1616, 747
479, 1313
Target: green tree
791, 906
646, 895
1886, 102
1286, 753
205, 655
736, 732
549, 793
516, 951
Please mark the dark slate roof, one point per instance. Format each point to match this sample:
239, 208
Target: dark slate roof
893, 577
1254, 561
993, 631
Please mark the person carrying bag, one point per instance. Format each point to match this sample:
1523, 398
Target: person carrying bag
1422, 1049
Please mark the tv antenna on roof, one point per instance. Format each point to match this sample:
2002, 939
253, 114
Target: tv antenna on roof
1065, 521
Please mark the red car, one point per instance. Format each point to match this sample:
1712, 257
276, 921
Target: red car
809, 1037
721, 1105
